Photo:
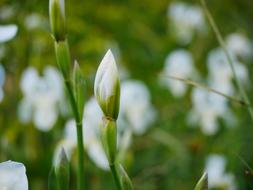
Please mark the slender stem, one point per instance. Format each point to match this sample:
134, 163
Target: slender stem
64, 62
115, 176
80, 172
230, 60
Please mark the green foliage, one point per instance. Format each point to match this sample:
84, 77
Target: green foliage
170, 153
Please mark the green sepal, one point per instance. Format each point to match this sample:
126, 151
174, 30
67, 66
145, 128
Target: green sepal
79, 88
63, 58
109, 138
110, 106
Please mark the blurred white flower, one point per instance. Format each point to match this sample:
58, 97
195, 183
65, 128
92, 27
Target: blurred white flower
7, 32
220, 74
207, 108
136, 110
178, 63
42, 96
34, 21
13, 176
239, 45
185, 20
2, 79
217, 175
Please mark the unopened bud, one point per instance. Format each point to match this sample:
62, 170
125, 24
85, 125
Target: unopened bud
107, 86
57, 19
62, 171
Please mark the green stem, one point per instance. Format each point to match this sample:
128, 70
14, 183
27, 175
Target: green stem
79, 127
230, 60
64, 62
115, 176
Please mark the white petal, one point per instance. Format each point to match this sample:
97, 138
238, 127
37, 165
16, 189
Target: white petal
136, 108
178, 63
25, 110
28, 81
239, 45
7, 32
13, 176
106, 77
217, 176
44, 119
97, 155
70, 131
92, 117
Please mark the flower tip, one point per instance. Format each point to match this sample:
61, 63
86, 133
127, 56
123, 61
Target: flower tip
109, 58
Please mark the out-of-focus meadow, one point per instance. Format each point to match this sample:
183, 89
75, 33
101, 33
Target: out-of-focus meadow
169, 132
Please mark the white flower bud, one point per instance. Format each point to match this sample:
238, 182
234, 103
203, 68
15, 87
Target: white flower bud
13, 176
107, 86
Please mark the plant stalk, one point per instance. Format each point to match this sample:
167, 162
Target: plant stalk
63, 59
115, 176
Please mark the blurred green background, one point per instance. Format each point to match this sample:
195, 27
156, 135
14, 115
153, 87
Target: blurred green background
170, 155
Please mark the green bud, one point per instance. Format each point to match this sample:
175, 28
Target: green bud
202, 183
57, 19
125, 180
109, 138
79, 88
63, 58
62, 171
107, 86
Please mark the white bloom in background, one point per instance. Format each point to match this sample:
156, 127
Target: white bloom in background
42, 96
207, 108
13, 176
217, 175
239, 45
178, 63
2, 79
185, 20
220, 75
7, 32
136, 110
34, 21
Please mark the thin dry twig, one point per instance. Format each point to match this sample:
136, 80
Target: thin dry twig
198, 85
